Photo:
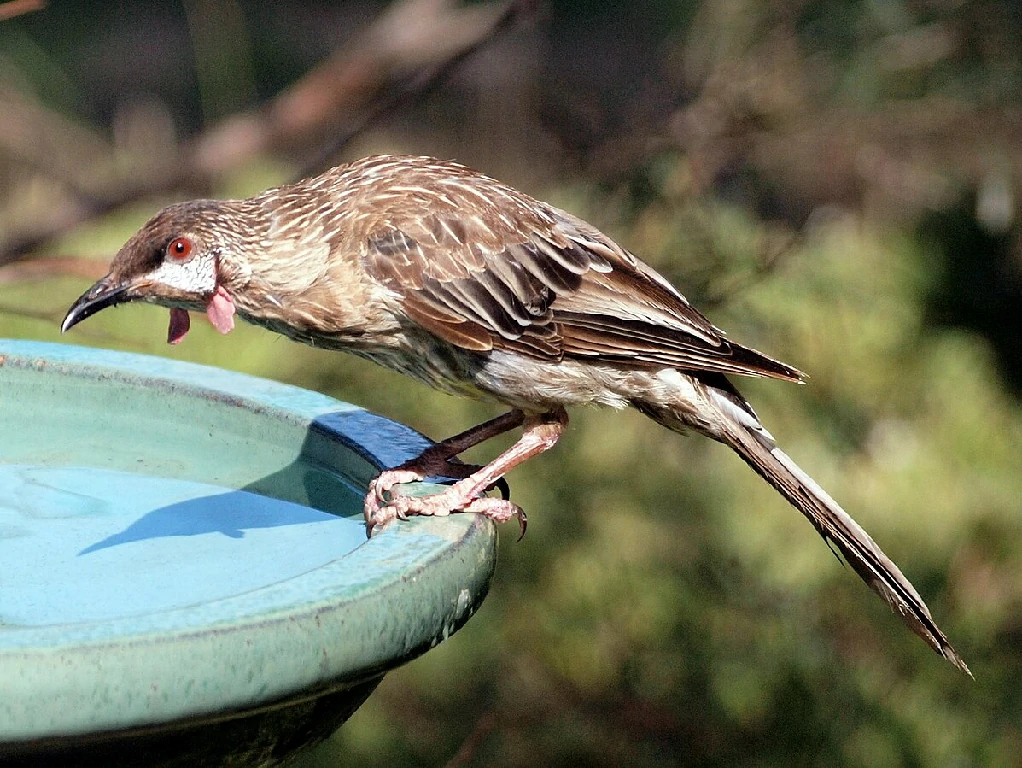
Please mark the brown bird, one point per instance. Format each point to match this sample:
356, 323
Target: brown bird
439, 272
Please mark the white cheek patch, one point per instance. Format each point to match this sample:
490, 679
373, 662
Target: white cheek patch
196, 276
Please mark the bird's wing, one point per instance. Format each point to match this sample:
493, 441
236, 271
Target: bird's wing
542, 282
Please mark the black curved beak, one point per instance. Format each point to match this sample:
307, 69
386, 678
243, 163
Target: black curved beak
103, 294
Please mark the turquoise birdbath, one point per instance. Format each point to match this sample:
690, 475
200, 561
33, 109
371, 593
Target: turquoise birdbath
184, 574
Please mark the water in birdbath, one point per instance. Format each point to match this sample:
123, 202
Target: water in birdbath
84, 523
196, 498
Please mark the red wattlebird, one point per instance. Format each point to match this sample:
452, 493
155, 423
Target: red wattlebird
441, 273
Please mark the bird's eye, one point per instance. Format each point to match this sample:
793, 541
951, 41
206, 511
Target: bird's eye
180, 248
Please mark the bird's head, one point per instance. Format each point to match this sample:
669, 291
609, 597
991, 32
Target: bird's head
178, 259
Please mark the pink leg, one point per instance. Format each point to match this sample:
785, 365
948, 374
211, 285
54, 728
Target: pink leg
539, 434
437, 460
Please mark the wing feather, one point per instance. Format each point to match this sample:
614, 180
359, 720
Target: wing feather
500, 270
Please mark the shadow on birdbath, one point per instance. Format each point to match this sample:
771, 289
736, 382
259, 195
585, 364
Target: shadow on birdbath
186, 577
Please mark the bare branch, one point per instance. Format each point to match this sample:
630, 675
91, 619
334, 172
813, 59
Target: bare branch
14, 8
44, 269
403, 54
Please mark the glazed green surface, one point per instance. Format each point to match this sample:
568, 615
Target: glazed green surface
180, 541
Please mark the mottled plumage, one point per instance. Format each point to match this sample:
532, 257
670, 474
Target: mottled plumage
462, 282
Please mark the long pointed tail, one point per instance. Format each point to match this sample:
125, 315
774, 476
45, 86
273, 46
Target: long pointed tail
727, 418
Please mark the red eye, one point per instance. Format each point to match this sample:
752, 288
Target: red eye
180, 248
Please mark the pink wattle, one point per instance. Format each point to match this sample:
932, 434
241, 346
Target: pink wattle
220, 310
179, 325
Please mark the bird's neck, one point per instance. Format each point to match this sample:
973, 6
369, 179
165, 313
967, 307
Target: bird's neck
301, 281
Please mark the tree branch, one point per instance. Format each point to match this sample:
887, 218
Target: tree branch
404, 54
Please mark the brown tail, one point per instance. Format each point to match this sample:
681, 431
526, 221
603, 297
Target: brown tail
725, 417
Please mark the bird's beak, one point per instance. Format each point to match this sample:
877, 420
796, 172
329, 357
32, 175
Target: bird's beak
105, 293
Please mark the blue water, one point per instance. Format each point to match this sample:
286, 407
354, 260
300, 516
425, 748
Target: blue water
80, 544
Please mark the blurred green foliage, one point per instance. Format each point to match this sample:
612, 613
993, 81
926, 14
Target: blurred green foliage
666, 606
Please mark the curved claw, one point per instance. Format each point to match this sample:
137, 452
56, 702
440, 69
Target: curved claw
376, 518
523, 521
380, 496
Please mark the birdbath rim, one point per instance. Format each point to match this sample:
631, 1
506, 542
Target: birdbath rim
343, 621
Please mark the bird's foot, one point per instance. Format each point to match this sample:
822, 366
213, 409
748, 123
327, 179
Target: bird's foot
384, 504
381, 488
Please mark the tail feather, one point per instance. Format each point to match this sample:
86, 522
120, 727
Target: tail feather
735, 425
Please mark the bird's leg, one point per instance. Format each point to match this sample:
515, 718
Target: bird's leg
540, 433
438, 459
480, 433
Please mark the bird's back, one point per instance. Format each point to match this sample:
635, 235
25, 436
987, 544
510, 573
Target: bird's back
487, 268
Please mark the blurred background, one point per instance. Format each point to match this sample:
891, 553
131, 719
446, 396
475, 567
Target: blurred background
835, 183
